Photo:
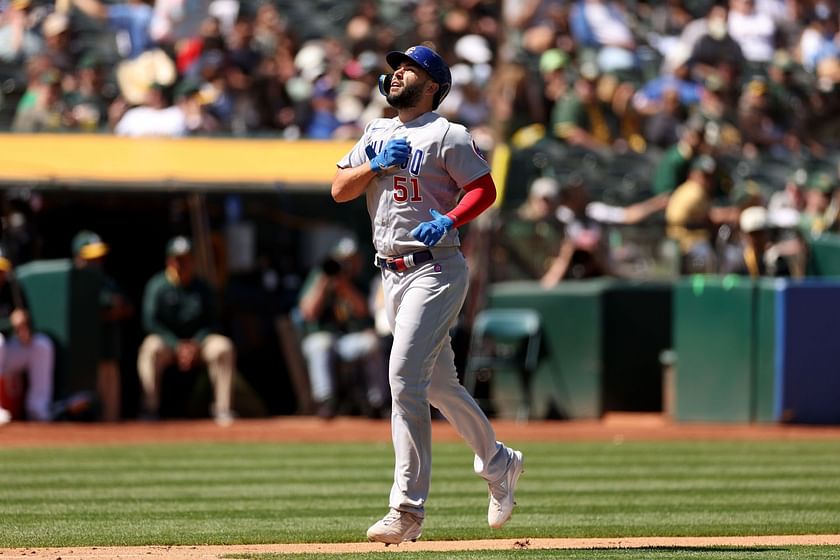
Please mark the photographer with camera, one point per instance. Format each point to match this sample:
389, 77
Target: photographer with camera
342, 350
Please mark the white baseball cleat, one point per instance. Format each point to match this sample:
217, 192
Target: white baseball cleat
501, 493
5, 416
396, 527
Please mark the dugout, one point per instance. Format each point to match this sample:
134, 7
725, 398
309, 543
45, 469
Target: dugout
259, 211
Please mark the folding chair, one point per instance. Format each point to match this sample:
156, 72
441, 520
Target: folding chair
504, 354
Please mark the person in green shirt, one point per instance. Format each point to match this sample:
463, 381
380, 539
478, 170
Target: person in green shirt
89, 251
179, 316
672, 169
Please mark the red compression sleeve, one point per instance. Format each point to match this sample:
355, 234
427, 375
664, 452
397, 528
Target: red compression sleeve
478, 197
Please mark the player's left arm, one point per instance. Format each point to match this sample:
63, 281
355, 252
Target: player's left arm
467, 166
478, 197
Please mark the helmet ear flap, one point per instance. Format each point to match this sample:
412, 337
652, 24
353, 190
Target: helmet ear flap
385, 83
442, 92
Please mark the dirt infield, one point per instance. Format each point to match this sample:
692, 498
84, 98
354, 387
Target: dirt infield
629, 427
218, 552
299, 429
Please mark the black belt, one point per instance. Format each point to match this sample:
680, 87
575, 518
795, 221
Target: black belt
404, 262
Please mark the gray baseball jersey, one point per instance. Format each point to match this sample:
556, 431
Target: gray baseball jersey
443, 160
422, 303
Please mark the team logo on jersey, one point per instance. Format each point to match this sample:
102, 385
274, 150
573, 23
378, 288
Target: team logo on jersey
478, 152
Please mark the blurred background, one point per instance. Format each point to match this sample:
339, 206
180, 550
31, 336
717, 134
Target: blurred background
667, 174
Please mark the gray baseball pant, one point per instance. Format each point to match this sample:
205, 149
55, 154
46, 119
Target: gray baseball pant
422, 305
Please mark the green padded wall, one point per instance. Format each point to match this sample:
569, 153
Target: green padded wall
601, 341
64, 304
824, 255
568, 379
713, 340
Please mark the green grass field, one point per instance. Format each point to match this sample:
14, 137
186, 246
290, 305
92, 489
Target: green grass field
274, 493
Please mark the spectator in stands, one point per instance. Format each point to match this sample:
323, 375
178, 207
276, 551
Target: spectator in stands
553, 66
132, 18
716, 52
24, 350
581, 118
716, 108
817, 40
602, 25
673, 80
754, 31
339, 335
691, 218
57, 45
42, 108
672, 169
789, 99
89, 252
87, 106
818, 215
323, 121
528, 241
179, 315
759, 131
756, 254
662, 127
19, 37
584, 252
157, 117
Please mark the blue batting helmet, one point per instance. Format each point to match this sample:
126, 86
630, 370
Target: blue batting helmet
428, 60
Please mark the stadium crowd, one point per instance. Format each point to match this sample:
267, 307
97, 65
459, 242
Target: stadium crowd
755, 84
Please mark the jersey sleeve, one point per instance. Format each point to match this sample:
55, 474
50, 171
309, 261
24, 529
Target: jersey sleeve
356, 156
464, 161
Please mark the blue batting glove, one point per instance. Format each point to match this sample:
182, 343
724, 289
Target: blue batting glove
430, 232
395, 152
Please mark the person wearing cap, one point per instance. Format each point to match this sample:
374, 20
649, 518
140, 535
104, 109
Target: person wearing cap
157, 116
529, 238
89, 251
86, 104
339, 332
756, 254
691, 217
818, 214
179, 315
580, 117
24, 350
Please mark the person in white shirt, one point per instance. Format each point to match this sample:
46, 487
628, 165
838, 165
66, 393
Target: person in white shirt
754, 31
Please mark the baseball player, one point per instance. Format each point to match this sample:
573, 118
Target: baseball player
412, 169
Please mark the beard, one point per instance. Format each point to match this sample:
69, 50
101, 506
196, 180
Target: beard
409, 97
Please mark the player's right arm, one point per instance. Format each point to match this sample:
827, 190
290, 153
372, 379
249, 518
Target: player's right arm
351, 182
